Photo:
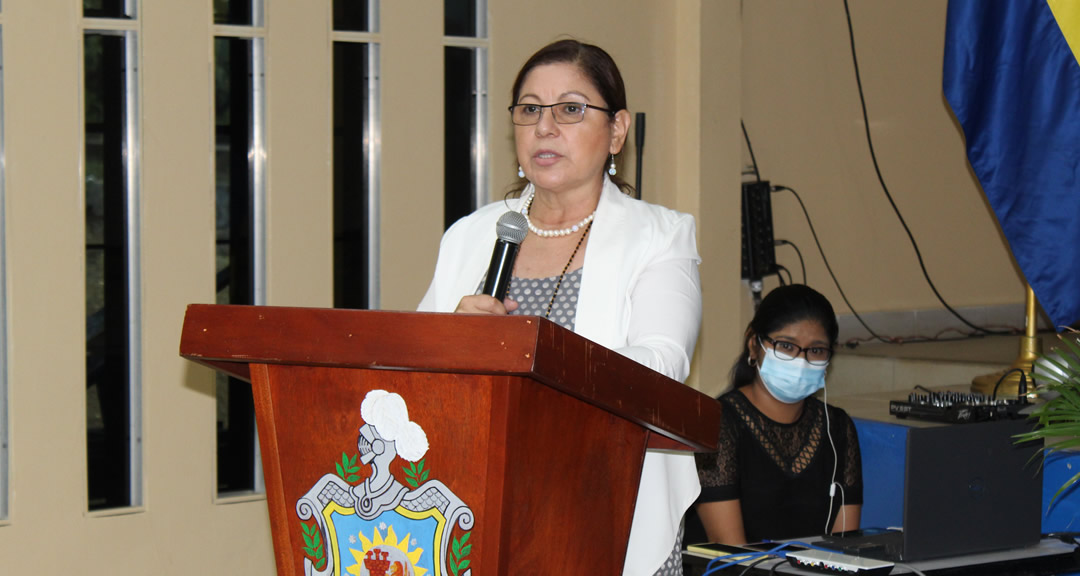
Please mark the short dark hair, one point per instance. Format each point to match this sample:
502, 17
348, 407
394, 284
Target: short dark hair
782, 307
594, 62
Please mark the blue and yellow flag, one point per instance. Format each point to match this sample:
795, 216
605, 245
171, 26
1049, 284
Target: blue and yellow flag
1012, 77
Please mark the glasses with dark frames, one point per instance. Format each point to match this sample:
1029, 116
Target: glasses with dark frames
815, 355
564, 112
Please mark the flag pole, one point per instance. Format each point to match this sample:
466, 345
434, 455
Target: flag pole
1030, 348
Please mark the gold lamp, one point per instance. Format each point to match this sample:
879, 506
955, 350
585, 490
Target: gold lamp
1030, 348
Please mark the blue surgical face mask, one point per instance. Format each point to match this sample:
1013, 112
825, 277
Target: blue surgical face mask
790, 381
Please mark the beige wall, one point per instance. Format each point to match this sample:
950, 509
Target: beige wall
412, 154
694, 66
718, 193
182, 528
801, 107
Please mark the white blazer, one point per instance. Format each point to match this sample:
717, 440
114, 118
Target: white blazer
640, 296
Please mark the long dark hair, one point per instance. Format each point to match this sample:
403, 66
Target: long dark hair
597, 66
782, 307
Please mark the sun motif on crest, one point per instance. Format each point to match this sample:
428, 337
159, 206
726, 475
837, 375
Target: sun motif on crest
385, 556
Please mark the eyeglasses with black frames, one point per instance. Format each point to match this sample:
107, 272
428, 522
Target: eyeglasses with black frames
564, 112
815, 355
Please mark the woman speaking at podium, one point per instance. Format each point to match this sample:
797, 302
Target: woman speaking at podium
619, 271
788, 465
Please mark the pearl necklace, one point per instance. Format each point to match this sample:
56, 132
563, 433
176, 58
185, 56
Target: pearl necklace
551, 233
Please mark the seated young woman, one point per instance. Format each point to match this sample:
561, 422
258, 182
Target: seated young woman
788, 465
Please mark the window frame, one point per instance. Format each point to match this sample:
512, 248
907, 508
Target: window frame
256, 34
373, 124
128, 29
481, 136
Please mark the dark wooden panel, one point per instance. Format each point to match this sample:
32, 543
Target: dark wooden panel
317, 413
358, 339
539, 432
572, 480
267, 422
550, 479
223, 336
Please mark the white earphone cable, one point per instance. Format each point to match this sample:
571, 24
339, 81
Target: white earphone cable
832, 483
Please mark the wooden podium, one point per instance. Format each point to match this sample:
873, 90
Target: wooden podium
520, 452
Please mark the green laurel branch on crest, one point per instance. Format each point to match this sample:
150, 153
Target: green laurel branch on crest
347, 468
313, 545
458, 552
415, 473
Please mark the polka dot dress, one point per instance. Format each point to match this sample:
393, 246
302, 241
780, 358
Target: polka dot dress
673, 566
534, 294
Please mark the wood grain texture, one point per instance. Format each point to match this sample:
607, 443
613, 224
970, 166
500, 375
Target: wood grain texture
227, 338
318, 414
539, 431
551, 479
272, 468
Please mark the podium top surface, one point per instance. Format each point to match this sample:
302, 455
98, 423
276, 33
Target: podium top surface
229, 338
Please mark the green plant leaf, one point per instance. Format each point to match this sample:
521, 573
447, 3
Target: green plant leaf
1071, 344
1069, 399
463, 565
1062, 446
1063, 488
457, 548
1064, 429
1069, 365
1058, 419
1050, 374
466, 549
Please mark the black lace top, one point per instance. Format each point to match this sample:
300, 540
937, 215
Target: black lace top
780, 473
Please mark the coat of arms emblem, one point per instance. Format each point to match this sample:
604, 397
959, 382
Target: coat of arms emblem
378, 526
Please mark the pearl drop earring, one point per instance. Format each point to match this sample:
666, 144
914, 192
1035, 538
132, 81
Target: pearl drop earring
611, 169
521, 172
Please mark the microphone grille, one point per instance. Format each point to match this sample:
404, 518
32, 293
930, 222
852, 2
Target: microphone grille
512, 227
